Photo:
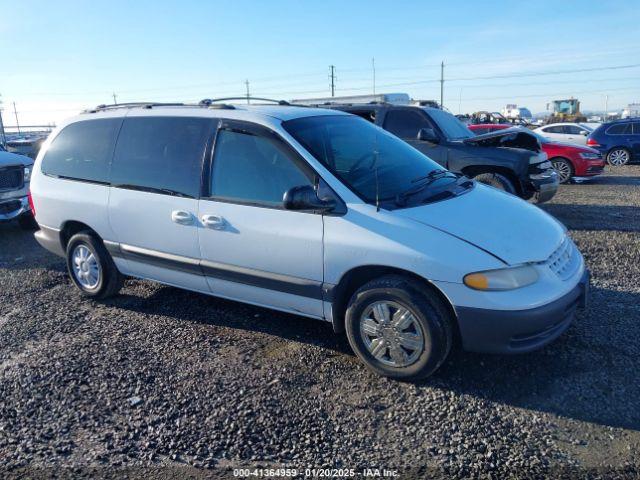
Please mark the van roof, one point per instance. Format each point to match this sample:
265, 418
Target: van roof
280, 112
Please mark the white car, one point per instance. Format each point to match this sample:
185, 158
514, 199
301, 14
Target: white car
566, 132
309, 211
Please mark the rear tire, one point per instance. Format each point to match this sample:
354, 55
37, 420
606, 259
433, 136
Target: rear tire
618, 157
497, 180
91, 267
398, 328
563, 168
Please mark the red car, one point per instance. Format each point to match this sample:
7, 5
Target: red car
570, 161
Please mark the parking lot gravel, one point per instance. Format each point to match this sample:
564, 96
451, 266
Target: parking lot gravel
164, 383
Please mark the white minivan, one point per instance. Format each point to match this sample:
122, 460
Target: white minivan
309, 211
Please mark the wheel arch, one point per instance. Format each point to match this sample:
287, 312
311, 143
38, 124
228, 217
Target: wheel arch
475, 170
353, 279
70, 227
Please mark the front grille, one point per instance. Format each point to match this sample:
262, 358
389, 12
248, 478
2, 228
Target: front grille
11, 178
8, 207
565, 261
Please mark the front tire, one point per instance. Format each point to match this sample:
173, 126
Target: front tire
563, 168
618, 157
498, 181
91, 268
398, 328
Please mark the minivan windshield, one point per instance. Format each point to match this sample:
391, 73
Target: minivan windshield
451, 127
370, 161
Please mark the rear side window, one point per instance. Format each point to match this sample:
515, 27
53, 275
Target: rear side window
253, 169
405, 123
83, 150
161, 154
556, 129
636, 128
619, 129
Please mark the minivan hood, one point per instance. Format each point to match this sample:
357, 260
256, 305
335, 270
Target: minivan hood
509, 137
10, 159
502, 224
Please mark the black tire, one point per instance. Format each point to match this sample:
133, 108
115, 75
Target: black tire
497, 180
618, 156
426, 308
564, 169
110, 280
27, 222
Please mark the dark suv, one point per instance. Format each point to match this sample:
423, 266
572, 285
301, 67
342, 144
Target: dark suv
618, 141
511, 160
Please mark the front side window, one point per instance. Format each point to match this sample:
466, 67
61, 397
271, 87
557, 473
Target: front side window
636, 128
555, 129
369, 160
405, 123
83, 150
161, 154
451, 127
251, 168
573, 130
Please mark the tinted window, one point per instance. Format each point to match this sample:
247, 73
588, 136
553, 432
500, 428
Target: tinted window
556, 129
636, 128
252, 168
619, 129
405, 123
366, 158
161, 153
572, 130
83, 150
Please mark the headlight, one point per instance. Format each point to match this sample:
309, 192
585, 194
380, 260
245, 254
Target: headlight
27, 174
503, 279
541, 157
590, 156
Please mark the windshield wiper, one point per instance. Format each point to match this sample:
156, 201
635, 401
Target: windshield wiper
422, 183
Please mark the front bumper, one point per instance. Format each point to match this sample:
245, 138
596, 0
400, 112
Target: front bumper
11, 208
544, 188
520, 331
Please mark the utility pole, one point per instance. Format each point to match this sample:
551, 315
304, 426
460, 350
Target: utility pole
442, 84
332, 76
115, 98
606, 107
373, 67
246, 83
15, 112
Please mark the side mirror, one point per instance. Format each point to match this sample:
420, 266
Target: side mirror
584, 133
428, 135
304, 198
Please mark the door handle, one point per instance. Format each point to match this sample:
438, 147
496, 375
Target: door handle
181, 217
214, 221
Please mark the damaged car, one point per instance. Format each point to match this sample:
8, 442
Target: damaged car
512, 161
15, 173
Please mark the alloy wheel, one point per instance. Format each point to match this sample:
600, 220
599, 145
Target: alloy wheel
86, 268
563, 169
618, 157
392, 334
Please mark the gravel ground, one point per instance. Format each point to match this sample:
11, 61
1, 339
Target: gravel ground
164, 383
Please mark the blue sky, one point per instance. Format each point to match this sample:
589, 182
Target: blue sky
58, 57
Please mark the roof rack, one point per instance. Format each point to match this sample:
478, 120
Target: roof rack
209, 101
114, 106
